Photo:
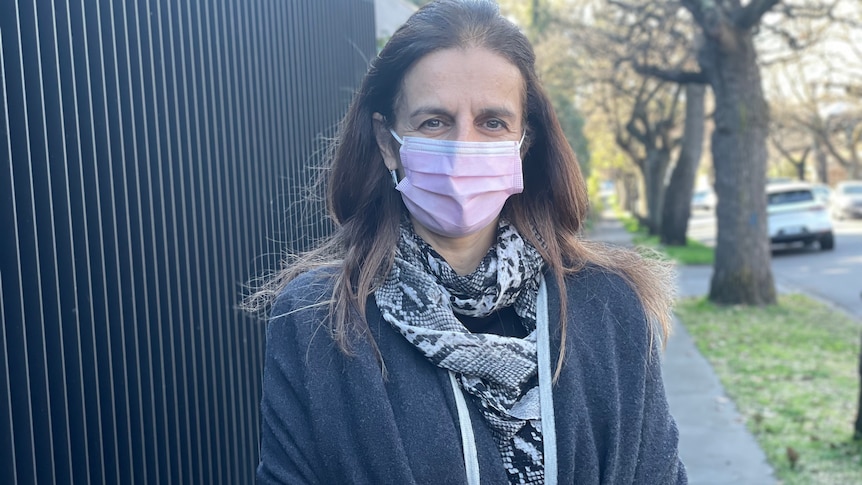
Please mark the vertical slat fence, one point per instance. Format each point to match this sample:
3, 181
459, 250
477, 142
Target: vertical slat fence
154, 156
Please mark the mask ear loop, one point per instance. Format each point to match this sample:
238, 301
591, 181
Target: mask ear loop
401, 142
398, 138
521, 141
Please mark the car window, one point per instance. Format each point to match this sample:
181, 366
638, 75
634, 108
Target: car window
790, 197
853, 189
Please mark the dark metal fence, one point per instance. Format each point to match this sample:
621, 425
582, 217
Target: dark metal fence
150, 153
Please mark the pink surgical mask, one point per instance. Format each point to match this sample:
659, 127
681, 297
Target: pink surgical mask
455, 188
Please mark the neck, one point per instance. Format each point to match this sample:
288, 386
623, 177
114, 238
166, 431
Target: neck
462, 253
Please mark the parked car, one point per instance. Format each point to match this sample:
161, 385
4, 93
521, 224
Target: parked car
797, 215
847, 199
703, 199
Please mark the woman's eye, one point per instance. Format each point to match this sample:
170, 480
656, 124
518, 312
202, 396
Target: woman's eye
494, 124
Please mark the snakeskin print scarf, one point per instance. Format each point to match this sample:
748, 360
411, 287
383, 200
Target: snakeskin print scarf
421, 297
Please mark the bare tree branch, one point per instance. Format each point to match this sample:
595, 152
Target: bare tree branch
673, 75
786, 152
750, 15
698, 9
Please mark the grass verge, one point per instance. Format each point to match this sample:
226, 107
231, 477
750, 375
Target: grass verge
791, 369
693, 252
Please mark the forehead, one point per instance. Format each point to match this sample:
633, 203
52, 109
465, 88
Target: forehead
462, 78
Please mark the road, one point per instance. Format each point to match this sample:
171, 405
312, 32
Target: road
834, 276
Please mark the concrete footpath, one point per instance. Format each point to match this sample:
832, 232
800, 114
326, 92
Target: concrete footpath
714, 444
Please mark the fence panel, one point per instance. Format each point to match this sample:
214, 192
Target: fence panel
154, 156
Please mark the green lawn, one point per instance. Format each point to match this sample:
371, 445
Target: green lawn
791, 369
693, 252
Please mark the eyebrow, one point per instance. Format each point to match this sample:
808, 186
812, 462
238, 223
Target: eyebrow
496, 112
429, 110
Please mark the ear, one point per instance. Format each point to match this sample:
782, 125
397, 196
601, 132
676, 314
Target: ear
385, 142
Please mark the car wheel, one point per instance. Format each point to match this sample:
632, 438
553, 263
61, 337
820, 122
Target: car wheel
827, 242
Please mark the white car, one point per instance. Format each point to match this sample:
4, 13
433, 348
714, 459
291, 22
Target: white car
703, 199
796, 214
846, 200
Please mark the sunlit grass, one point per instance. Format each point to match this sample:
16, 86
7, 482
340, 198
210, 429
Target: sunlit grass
693, 252
791, 369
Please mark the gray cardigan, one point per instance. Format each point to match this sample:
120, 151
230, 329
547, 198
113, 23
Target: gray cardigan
329, 418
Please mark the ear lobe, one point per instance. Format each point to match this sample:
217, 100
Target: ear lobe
384, 142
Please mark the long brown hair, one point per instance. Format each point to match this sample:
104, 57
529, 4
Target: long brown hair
367, 210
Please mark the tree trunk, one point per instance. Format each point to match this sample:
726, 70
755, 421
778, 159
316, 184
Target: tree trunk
742, 273
820, 161
640, 204
628, 193
677, 200
654, 174
857, 429
853, 150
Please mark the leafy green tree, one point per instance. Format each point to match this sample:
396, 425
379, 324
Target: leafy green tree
644, 113
555, 65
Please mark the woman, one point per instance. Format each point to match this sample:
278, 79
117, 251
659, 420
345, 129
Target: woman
455, 328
